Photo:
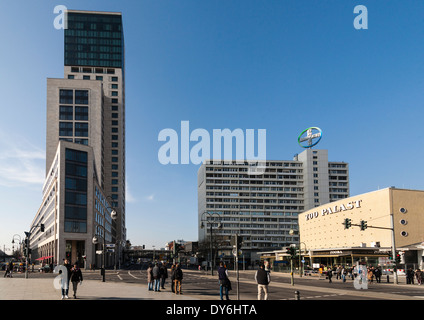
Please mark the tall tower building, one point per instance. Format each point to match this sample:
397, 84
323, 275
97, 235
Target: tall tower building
85, 115
94, 72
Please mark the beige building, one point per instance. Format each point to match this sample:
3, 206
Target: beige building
327, 240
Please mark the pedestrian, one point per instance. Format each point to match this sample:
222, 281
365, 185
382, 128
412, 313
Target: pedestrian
338, 270
63, 284
67, 277
377, 274
410, 276
370, 275
178, 279
263, 279
163, 274
343, 273
329, 274
76, 278
419, 276
150, 278
224, 282
156, 277
267, 266
9, 269
173, 278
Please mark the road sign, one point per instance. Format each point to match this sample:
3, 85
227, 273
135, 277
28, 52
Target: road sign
110, 250
110, 245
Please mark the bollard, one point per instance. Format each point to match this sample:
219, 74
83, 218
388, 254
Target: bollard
388, 281
296, 295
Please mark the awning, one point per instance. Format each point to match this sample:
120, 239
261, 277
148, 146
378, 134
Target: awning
44, 258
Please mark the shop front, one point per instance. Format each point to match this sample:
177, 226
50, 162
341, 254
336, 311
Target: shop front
351, 256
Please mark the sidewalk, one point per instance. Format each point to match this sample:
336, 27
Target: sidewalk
43, 289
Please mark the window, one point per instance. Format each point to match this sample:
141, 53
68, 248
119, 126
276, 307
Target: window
82, 141
66, 96
75, 226
81, 113
114, 86
86, 77
75, 155
114, 159
81, 96
114, 167
115, 130
114, 100
76, 169
114, 79
114, 108
81, 129
114, 122
114, 115
71, 76
114, 144
66, 113
65, 129
114, 137
114, 93
99, 78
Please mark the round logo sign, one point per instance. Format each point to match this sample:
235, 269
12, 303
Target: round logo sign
312, 137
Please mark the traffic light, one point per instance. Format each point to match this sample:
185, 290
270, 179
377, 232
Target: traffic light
363, 225
347, 223
42, 227
397, 258
236, 241
292, 252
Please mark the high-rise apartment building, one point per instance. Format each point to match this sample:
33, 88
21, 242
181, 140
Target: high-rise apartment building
262, 209
86, 110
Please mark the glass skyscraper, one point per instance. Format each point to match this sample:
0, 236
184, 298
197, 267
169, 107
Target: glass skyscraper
94, 40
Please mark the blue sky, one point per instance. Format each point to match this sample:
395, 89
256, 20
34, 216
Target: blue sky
279, 65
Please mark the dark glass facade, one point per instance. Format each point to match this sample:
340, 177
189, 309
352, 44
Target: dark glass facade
94, 40
75, 191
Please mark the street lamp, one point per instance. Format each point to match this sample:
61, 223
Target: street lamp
95, 241
13, 242
209, 219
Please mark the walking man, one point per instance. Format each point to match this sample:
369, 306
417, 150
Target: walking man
156, 277
178, 279
262, 278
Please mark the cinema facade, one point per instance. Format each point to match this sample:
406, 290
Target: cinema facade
391, 215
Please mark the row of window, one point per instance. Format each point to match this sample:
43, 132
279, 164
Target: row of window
71, 113
68, 96
69, 129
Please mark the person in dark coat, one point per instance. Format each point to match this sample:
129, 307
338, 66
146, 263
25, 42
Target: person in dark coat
224, 282
76, 278
163, 274
178, 279
263, 279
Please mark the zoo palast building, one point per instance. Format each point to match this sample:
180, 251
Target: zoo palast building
386, 215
